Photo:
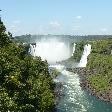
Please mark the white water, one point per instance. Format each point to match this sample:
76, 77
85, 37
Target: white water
32, 50
73, 94
73, 49
86, 52
58, 67
73, 98
52, 51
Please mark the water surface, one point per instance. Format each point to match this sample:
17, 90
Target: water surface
74, 99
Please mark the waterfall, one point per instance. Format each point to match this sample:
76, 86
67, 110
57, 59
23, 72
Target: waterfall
32, 49
86, 52
73, 49
53, 51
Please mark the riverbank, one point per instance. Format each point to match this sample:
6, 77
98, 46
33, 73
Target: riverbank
96, 77
86, 84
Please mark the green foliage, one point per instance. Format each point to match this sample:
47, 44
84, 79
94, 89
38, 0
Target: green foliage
54, 72
100, 64
25, 82
4, 38
78, 51
102, 46
99, 82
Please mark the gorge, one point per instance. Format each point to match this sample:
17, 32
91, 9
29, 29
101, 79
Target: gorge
56, 56
72, 97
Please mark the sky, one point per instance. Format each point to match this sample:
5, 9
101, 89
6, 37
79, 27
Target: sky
74, 17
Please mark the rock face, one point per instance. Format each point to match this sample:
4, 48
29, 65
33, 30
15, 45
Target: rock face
85, 84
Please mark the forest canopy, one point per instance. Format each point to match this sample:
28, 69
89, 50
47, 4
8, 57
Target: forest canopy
25, 82
100, 65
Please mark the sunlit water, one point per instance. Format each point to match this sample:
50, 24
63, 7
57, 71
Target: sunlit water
74, 99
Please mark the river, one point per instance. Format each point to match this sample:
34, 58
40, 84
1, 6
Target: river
74, 99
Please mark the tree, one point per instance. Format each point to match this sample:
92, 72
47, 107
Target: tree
25, 82
4, 38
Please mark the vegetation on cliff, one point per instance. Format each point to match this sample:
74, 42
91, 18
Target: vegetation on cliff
100, 66
25, 82
78, 51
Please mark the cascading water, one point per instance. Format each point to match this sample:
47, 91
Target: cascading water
73, 49
32, 49
73, 98
86, 52
52, 51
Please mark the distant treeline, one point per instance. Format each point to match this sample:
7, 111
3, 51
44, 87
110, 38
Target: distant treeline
28, 38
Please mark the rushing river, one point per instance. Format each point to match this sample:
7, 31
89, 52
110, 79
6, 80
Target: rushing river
74, 99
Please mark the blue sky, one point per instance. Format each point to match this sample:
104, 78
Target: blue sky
76, 17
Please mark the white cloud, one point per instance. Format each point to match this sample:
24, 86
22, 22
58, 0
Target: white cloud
78, 17
103, 29
55, 24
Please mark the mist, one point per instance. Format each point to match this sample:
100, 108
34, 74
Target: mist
52, 50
